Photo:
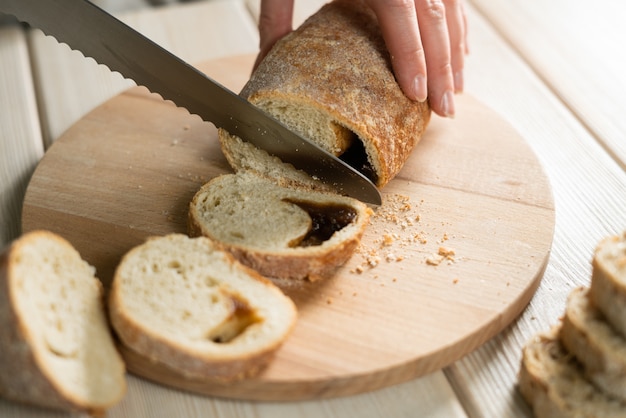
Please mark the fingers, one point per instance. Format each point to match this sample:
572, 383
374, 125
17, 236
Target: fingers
427, 43
431, 19
457, 29
275, 21
398, 23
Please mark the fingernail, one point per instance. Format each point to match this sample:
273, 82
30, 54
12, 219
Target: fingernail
458, 81
420, 90
447, 104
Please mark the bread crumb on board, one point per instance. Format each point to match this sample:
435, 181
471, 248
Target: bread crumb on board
399, 227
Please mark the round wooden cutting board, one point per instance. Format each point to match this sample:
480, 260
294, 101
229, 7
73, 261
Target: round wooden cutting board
451, 258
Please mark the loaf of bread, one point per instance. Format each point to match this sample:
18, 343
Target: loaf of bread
608, 282
553, 383
331, 81
286, 233
56, 348
596, 345
184, 304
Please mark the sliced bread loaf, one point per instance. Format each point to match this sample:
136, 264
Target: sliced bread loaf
56, 348
331, 81
608, 281
596, 345
185, 304
553, 383
278, 231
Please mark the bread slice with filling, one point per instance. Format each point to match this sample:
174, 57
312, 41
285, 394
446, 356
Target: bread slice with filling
553, 382
596, 345
183, 303
282, 232
331, 81
56, 347
608, 282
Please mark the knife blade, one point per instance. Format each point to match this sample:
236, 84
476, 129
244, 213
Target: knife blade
85, 27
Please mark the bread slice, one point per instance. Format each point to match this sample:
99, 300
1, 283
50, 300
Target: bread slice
552, 381
608, 281
181, 302
56, 347
596, 345
280, 232
331, 81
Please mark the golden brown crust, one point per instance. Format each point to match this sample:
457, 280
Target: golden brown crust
312, 266
337, 61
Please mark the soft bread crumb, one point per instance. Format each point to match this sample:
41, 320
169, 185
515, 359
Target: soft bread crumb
67, 358
185, 303
282, 232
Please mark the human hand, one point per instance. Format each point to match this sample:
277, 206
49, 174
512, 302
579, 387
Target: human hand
425, 38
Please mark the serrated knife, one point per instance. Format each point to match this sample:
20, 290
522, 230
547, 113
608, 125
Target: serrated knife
87, 28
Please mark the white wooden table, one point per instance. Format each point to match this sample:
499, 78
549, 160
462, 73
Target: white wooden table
554, 70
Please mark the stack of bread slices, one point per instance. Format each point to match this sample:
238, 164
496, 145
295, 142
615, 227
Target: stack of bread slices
578, 368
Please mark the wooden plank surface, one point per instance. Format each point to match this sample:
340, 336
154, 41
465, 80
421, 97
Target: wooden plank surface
577, 49
589, 191
20, 135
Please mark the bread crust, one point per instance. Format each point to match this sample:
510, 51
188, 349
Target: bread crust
337, 62
24, 376
167, 351
552, 382
600, 350
301, 263
608, 282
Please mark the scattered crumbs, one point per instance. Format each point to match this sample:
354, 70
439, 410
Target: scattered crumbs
446, 252
186, 127
357, 270
434, 260
399, 232
373, 261
395, 279
455, 281
329, 301
387, 240
354, 294
174, 142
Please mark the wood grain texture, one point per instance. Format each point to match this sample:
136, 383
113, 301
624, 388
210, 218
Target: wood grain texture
129, 169
20, 136
589, 189
577, 50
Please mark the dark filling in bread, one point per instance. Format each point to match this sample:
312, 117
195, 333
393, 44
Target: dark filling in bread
241, 317
356, 157
325, 221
